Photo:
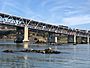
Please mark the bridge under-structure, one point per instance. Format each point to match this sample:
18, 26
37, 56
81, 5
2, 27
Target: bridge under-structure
54, 33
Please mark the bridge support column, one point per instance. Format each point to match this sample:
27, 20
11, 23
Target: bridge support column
75, 39
55, 39
26, 36
87, 39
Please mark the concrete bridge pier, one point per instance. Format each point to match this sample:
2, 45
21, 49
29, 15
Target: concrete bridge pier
87, 39
55, 39
26, 40
26, 33
26, 36
74, 38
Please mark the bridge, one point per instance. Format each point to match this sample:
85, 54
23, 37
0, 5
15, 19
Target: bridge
53, 31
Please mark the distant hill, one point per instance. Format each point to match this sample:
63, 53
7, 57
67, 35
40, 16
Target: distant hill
81, 26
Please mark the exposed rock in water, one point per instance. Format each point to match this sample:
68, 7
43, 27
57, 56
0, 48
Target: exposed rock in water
46, 51
8, 51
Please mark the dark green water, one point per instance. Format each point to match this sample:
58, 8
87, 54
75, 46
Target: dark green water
72, 56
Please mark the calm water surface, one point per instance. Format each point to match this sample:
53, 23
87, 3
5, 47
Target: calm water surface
72, 56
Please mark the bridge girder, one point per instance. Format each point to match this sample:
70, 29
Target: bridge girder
20, 22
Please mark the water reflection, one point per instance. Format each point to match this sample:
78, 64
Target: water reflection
26, 45
55, 48
88, 49
74, 52
72, 56
25, 61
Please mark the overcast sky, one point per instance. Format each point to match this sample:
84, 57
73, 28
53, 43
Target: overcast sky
57, 12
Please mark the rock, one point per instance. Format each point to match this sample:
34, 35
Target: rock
25, 50
46, 51
8, 51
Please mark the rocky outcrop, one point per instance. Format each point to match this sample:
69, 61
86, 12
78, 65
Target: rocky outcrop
45, 51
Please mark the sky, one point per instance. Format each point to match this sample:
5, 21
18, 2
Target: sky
56, 12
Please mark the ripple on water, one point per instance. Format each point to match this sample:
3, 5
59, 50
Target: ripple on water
71, 57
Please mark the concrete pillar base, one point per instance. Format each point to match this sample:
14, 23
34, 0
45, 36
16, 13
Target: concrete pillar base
26, 36
25, 44
25, 40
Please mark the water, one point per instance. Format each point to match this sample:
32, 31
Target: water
72, 56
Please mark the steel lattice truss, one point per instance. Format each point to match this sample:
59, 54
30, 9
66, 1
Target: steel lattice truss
20, 22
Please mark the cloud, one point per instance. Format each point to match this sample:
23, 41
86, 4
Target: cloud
67, 12
44, 3
47, 2
76, 20
17, 9
9, 7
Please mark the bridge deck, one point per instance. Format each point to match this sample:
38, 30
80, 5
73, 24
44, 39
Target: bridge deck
15, 21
